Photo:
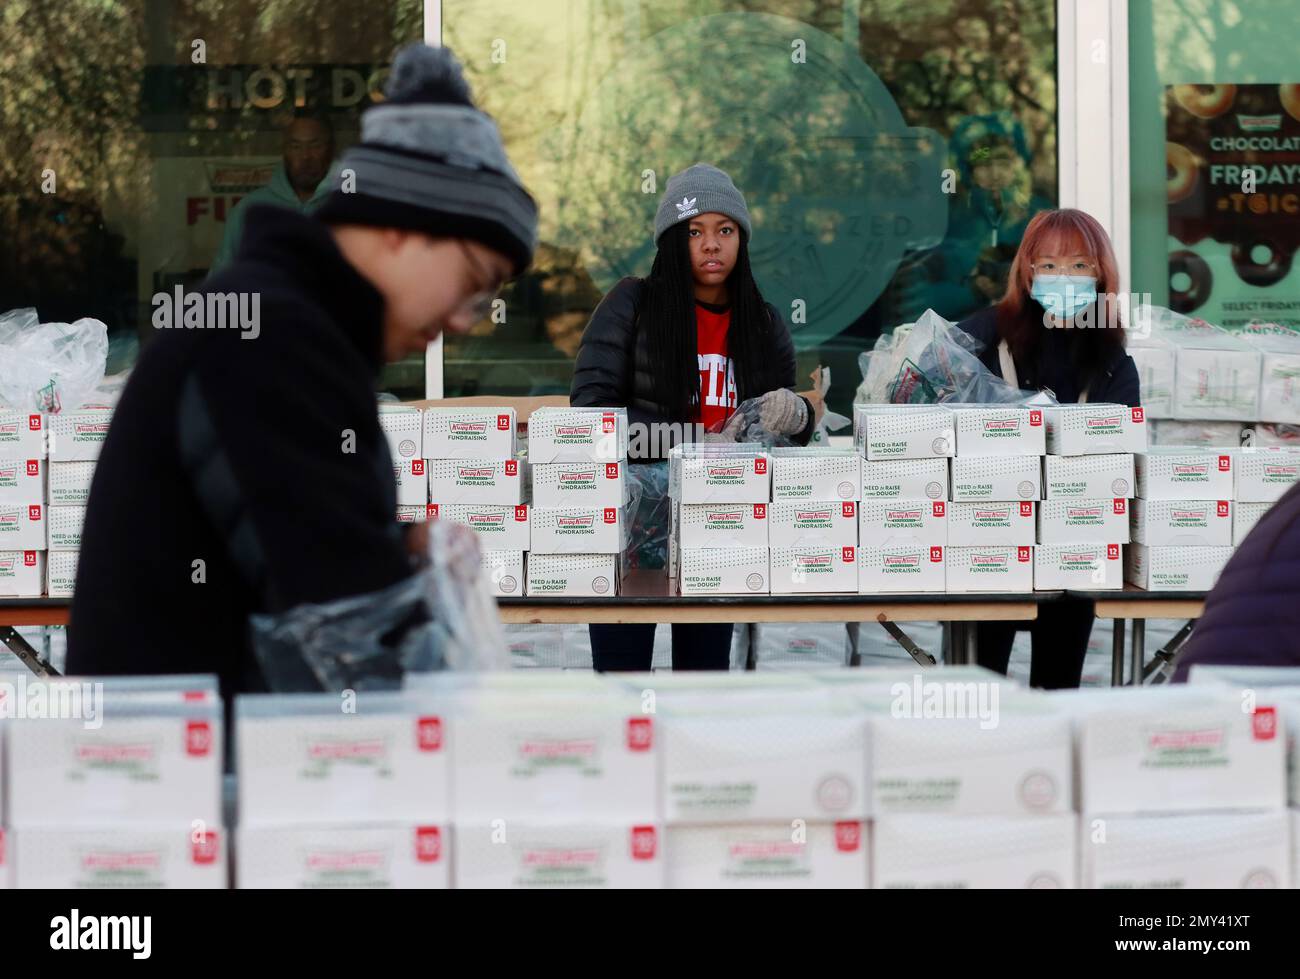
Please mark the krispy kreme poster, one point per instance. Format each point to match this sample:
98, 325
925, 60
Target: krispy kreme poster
1232, 158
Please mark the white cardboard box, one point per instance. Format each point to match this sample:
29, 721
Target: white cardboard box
834, 523
967, 748
63, 525
22, 527
22, 574
1264, 475
1081, 566
905, 479
385, 855
22, 480
1244, 518
711, 473
301, 760
145, 763
723, 571
61, 572
469, 433
505, 572
776, 755
586, 484
577, 435
1095, 429
572, 575
815, 474
1218, 382
901, 568
160, 855
1175, 473
1155, 365
723, 524
1003, 852
992, 568
499, 527
1279, 392
978, 524
498, 481
530, 752
763, 855
1187, 851
1088, 477
996, 478
903, 431
22, 434
1161, 523
999, 430
403, 426
578, 530
814, 566
560, 856
1173, 433
78, 435
1069, 521
883, 523
69, 483
1179, 750
412, 482
1175, 568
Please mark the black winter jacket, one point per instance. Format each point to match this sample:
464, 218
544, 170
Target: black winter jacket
613, 369
223, 447
1118, 383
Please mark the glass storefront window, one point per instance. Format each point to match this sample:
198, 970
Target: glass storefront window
1214, 119
129, 131
884, 176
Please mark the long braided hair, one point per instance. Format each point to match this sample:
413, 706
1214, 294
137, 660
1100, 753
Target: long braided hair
667, 315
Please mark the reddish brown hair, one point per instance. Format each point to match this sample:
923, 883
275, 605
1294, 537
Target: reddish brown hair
1020, 318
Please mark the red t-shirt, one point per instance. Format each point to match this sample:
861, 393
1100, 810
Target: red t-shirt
717, 372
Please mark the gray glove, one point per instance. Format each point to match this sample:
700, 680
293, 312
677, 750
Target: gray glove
782, 412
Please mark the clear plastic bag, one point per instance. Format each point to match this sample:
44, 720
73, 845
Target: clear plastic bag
443, 618
830, 420
931, 361
50, 366
649, 512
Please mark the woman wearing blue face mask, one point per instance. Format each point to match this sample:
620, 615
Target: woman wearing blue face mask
1058, 325
1057, 328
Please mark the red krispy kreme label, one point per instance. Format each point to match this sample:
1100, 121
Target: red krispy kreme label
34, 423
1225, 463
428, 733
760, 511
644, 842
760, 466
611, 514
640, 734
1120, 506
428, 844
198, 738
512, 467
847, 554
521, 513
417, 467
848, 509
33, 467
611, 470
1263, 723
848, 836
204, 848
503, 423
29, 559
1139, 416
1022, 554
939, 508
431, 511
34, 512
607, 423
1112, 552
1026, 509
1221, 508
936, 554
1035, 418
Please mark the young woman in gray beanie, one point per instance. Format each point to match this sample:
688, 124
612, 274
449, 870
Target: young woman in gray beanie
681, 349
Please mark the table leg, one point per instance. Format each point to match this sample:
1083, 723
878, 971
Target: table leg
972, 644
1137, 651
1117, 655
956, 644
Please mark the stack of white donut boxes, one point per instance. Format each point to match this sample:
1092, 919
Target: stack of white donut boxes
1088, 486
477, 478
46, 465
580, 516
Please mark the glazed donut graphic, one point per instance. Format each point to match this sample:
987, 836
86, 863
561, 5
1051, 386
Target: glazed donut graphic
1183, 169
1195, 267
1205, 101
1290, 97
1255, 273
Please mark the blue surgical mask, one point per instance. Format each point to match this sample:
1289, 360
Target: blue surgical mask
1064, 296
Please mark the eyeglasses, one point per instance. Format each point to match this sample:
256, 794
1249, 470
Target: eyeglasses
1065, 268
478, 306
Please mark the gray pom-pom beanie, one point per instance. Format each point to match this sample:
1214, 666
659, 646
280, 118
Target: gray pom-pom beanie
700, 189
430, 161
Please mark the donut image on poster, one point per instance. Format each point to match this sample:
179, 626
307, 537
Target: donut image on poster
1205, 101
1182, 167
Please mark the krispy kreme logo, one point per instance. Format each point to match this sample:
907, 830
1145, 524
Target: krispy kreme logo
469, 428
726, 472
902, 561
1083, 513
1184, 515
551, 749
487, 519
10, 518
1284, 471
89, 428
813, 560
728, 518
114, 754
802, 517
1075, 558
764, 850
992, 515
988, 560
1104, 423
1185, 740
7, 563
586, 477
584, 857
1002, 425
903, 516
1191, 469
465, 472
583, 520
346, 860
574, 431
111, 861
347, 750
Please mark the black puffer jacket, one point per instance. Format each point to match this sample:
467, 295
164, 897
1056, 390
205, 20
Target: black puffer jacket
613, 369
